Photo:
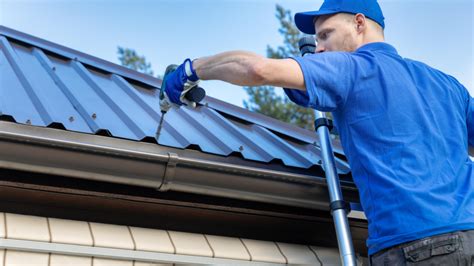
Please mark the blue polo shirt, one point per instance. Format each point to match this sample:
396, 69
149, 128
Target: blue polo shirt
405, 129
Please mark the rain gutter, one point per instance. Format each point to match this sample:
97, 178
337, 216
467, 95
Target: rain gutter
92, 157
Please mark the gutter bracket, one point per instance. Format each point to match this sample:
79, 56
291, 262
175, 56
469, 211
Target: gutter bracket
170, 170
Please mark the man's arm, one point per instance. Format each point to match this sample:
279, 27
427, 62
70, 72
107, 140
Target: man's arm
249, 69
325, 84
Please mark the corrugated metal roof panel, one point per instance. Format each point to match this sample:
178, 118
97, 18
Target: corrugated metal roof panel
44, 84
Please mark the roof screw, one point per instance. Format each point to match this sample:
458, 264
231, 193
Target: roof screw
320, 162
206, 104
241, 148
71, 118
94, 116
28, 122
53, 68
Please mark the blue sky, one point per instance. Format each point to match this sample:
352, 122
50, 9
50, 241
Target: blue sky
440, 33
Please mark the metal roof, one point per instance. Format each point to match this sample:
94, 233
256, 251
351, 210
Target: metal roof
48, 85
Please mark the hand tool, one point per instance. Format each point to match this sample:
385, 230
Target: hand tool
196, 95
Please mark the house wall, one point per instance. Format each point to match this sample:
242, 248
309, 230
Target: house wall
14, 258
46, 241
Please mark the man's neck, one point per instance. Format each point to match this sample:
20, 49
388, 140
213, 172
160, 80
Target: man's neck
371, 39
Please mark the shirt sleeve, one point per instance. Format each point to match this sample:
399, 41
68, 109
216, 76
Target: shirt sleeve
297, 96
328, 78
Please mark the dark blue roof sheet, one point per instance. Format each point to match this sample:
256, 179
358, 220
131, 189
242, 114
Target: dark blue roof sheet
47, 85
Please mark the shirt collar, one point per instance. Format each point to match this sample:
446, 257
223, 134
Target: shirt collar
378, 46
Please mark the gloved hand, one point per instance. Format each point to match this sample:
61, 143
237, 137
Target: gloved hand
181, 81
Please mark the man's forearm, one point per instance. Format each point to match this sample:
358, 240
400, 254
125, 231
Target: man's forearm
236, 67
249, 69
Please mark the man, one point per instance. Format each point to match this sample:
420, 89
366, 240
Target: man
405, 128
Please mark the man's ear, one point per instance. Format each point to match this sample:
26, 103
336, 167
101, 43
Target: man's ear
360, 22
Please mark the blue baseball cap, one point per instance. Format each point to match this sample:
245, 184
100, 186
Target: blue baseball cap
370, 8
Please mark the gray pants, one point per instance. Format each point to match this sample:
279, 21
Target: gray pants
456, 248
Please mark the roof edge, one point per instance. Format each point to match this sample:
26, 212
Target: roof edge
84, 156
80, 56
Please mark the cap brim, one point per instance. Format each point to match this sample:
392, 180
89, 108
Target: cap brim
305, 20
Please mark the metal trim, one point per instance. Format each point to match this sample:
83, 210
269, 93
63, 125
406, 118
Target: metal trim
120, 254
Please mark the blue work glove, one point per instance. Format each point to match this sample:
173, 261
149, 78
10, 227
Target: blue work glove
181, 81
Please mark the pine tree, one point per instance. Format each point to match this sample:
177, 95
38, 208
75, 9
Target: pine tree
129, 58
264, 99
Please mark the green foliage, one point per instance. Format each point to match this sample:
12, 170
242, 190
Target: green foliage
264, 99
291, 35
129, 58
